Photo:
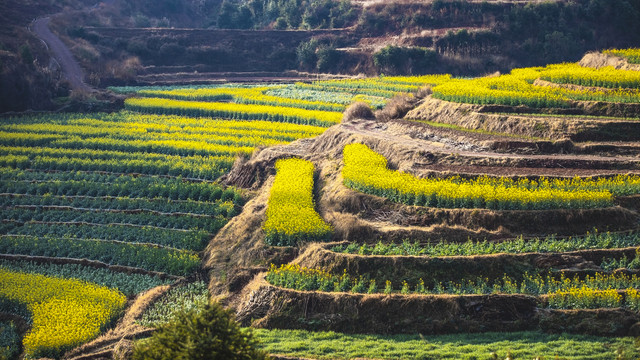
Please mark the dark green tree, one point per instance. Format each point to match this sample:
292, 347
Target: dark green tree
25, 54
208, 334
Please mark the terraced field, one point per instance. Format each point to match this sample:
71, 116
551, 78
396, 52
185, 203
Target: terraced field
505, 204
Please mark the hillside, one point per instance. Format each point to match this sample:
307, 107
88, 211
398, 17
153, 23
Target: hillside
418, 213
269, 158
126, 43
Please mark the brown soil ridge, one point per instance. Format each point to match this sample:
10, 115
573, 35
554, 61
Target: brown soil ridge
397, 142
274, 307
598, 60
433, 270
501, 119
238, 251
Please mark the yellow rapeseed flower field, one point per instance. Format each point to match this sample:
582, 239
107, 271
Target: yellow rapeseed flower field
235, 111
291, 214
366, 171
65, 313
517, 88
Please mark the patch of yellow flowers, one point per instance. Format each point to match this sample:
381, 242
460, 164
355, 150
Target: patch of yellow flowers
517, 88
65, 313
585, 297
365, 170
633, 54
291, 214
233, 111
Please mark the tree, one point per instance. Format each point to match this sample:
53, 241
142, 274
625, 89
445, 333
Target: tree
25, 54
227, 16
200, 334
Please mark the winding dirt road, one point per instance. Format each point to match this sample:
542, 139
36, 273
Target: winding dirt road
61, 53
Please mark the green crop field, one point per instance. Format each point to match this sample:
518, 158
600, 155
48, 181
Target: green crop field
99, 208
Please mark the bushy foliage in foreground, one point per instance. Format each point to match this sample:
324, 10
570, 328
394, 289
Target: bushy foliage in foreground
207, 334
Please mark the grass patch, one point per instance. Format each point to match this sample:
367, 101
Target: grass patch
521, 345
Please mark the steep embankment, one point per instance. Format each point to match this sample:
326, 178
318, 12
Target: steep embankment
238, 252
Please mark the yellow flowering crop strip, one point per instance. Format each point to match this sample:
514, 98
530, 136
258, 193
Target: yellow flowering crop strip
383, 86
607, 77
365, 170
632, 55
291, 214
65, 313
517, 87
233, 111
585, 297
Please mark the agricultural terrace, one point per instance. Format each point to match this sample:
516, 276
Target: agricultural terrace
129, 200
523, 87
365, 170
98, 208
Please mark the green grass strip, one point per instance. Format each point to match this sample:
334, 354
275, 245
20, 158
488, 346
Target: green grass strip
521, 345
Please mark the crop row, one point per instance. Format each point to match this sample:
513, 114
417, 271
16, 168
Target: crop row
27, 214
365, 170
250, 96
305, 279
206, 171
337, 97
380, 86
519, 245
608, 77
9, 340
91, 128
169, 147
99, 185
203, 125
517, 88
171, 261
128, 284
291, 214
65, 313
180, 208
233, 111
632, 55
127, 125
194, 240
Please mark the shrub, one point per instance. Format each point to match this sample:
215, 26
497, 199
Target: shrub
211, 333
358, 110
25, 54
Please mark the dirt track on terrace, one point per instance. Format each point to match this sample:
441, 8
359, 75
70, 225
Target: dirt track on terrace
70, 67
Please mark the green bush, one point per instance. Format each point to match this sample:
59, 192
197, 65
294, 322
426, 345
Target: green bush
210, 333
